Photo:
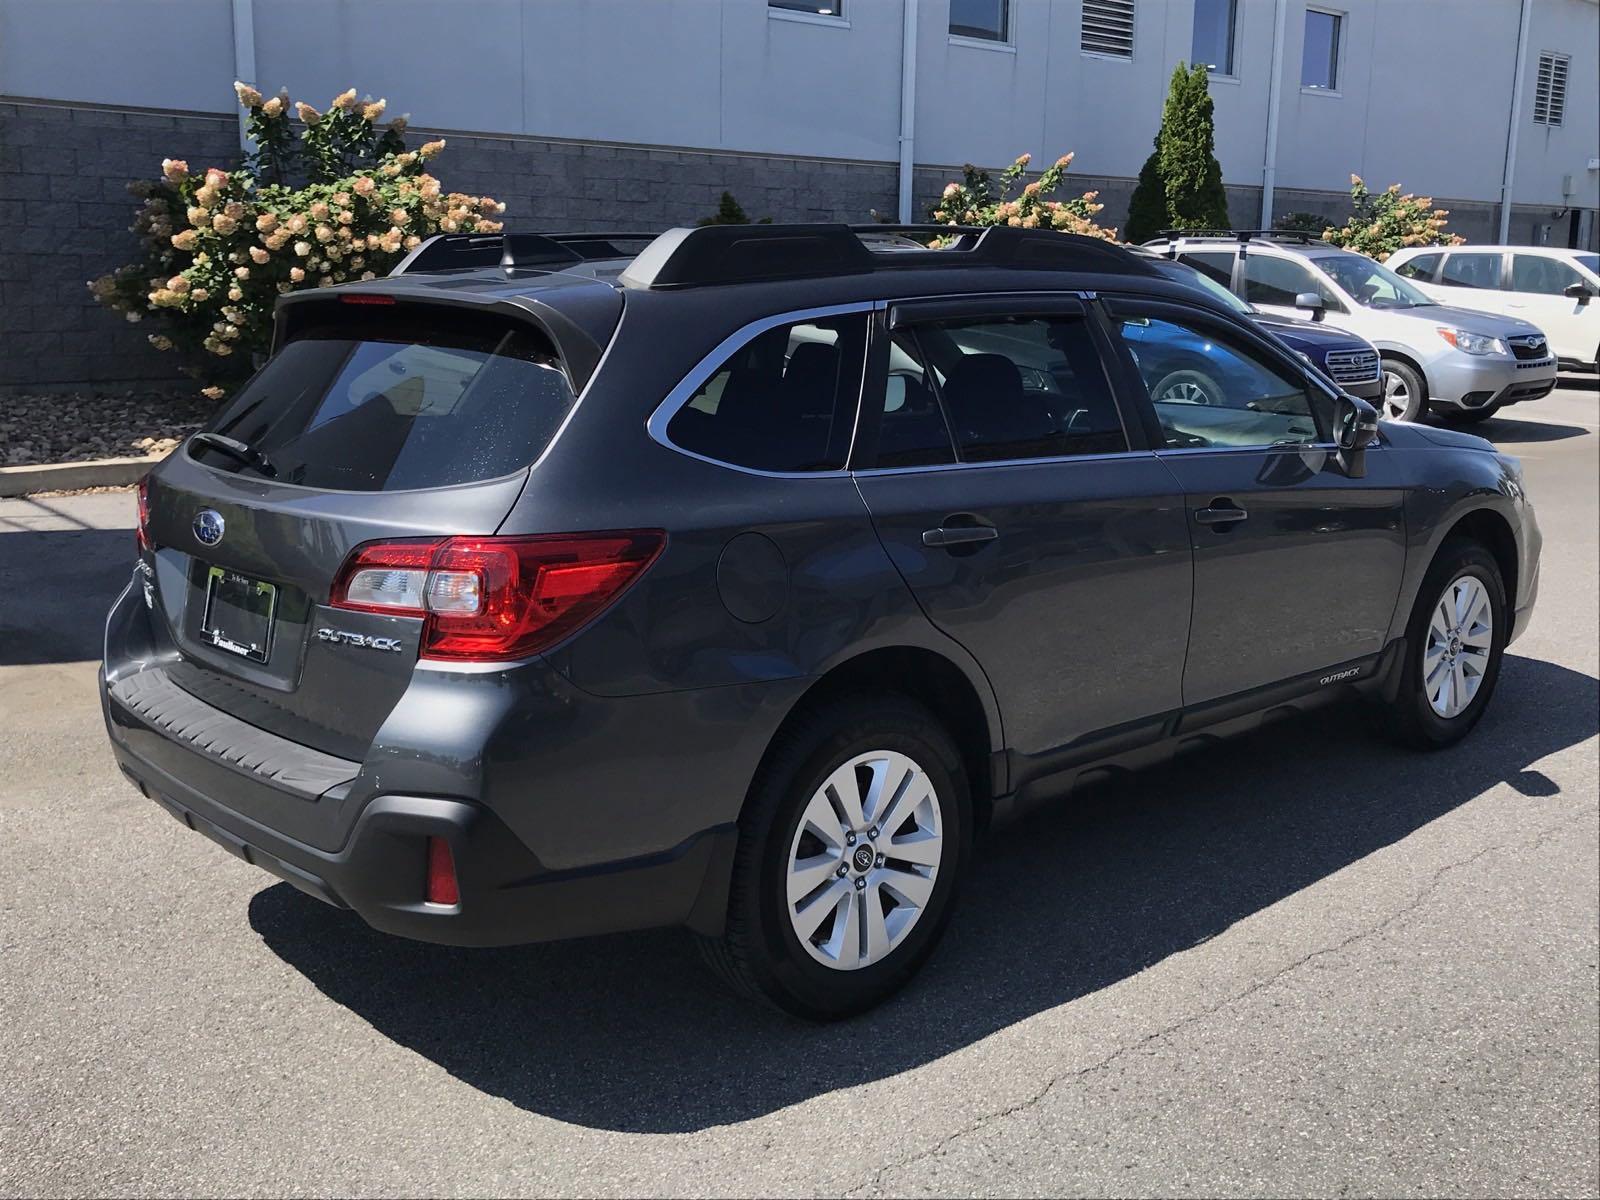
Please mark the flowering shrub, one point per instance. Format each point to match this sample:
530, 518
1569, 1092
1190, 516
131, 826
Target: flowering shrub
219, 247
1384, 222
980, 200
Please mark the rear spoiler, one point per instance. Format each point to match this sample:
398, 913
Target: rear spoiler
579, 330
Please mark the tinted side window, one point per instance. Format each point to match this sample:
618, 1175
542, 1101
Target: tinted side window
1420, 267
1022, 387
1210, 392
1269, 280
1471, 270
783, 401
1217, 264
1545, 276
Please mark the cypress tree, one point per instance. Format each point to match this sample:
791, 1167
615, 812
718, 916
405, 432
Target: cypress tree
1147, 209
1186, 154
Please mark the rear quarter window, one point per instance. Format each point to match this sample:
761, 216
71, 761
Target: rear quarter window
397, 401
784, 401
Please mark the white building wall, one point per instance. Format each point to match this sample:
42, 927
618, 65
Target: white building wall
1424, 93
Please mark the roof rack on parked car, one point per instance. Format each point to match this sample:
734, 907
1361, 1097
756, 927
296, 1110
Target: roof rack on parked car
717, 254
1243, 235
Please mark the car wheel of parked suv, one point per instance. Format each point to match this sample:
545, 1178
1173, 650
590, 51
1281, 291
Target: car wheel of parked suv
851, 847
1187, 387
1405, 395
1454, 643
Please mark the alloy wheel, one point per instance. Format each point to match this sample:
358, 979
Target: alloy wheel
863, 860
1460, 638
1396, 397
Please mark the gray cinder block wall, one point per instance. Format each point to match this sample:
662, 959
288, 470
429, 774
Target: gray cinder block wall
65, 212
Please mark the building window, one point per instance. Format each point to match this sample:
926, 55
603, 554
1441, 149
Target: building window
1550, 95
989, 20
816, 8
1108, 27
1213, 35
1319, 60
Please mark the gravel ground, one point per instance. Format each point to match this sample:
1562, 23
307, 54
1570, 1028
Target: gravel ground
78, 426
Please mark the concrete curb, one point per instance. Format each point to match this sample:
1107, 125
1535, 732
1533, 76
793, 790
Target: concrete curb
66, 477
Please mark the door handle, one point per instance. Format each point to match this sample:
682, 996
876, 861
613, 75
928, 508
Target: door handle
1220, 512
959, 535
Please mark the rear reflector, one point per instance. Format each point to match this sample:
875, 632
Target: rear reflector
362, 298
141, 494
442, 886
492, 599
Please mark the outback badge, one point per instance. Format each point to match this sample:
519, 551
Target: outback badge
345, 638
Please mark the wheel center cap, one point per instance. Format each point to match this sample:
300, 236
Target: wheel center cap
1455, 645
863, 858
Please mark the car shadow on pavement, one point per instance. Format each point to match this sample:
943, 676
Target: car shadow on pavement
56, 587
629, 1032
1501, 431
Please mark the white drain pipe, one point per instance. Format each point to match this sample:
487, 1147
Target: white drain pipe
1269, 171
1506, 179
908, 105
244, 61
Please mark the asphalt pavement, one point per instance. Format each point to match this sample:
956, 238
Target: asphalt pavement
1306, 963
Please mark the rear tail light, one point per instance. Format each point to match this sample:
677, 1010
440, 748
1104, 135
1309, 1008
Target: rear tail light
141, 494
442, 887
489, 599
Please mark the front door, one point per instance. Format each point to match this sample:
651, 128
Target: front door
1297, 567
1032, 525
1538, 286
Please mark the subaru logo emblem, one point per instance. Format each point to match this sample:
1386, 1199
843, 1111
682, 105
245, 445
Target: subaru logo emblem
208, 527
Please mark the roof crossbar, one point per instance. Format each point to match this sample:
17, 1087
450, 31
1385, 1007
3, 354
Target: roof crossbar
719, 254
469, 251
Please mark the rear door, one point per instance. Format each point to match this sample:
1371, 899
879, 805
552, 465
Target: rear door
1472, 279
371, 424
1296, 566
1034, 525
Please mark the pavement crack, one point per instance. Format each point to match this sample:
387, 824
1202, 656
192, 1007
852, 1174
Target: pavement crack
1422, 896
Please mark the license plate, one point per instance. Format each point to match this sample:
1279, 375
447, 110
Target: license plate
239, 613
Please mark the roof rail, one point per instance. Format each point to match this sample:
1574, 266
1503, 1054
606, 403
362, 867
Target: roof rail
717, 254
591, 244
468, 251
1245, 235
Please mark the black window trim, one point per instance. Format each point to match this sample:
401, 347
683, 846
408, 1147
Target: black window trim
656, 424
1128, 304
922, 309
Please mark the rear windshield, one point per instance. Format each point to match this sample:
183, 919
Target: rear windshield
389, 401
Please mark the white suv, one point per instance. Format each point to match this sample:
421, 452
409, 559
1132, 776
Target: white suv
1461, 364
1551, 286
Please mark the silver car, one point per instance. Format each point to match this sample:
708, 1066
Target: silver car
1461, 364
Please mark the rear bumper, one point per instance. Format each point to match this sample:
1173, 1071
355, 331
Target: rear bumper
506, 896
567, 814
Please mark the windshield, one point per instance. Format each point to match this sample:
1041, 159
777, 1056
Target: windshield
1185, 274
1370, 284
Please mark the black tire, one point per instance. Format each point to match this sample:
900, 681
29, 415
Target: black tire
1410, 717
1469, 416
1416, 388
760, 953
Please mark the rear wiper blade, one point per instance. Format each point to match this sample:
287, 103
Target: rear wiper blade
234, 448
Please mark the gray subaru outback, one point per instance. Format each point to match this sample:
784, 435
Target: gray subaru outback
735, 578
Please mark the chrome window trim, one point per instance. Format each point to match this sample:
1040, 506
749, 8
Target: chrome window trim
658, 421
1055, 460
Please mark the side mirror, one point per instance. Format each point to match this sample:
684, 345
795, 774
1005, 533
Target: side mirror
1355, 427
1581, 292
1312, 302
